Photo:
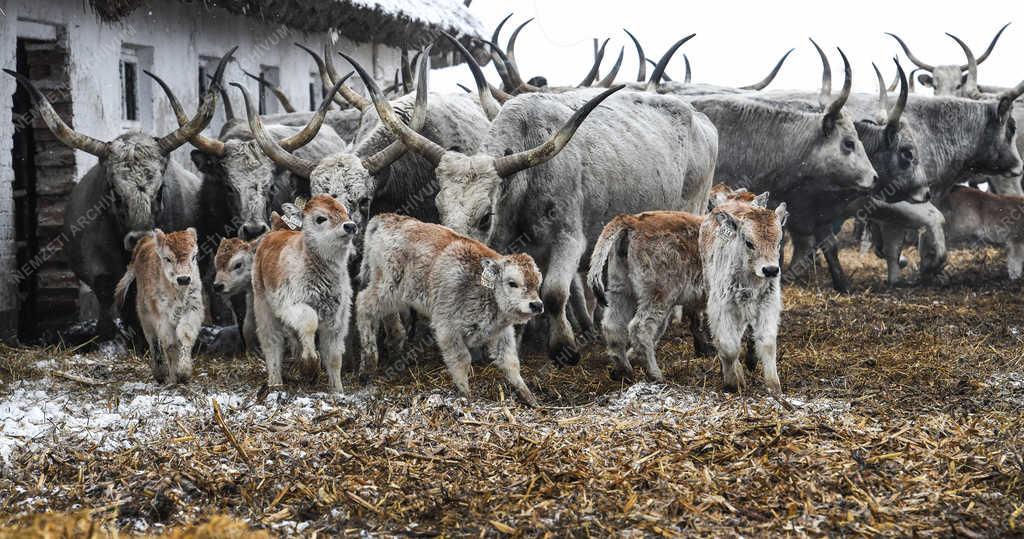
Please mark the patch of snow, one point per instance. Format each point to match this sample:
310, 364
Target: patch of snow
446, 14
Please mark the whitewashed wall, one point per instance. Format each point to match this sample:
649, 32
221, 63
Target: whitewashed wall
179, 35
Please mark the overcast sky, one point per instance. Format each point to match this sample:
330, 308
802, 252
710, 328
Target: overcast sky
738, 42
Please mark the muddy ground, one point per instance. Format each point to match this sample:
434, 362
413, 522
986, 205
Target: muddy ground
906, 419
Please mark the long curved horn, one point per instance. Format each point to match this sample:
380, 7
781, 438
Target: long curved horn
487, 101
826, 75
229, 111
992, 45
282, 98
883, 96
64, 133
910, 55
892, 123
970, 86
349, 94
1007, 97
325, 79
641, 74
406, 73
664, 76
686, 74
833, 111
894, 84
173, 140
412, 140
659, 69
277, 154
510, 50
499, 94
910, 78
500, 62
763, 83
592, 74
309, 132
382, 159
518, 85
510, 164
204, 144
609, 79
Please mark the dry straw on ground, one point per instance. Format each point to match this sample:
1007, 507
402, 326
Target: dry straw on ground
907, 419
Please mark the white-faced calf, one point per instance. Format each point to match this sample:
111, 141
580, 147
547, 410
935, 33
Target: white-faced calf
472, 295
233, 264
740, 245
168, 300
980, 216
301, 288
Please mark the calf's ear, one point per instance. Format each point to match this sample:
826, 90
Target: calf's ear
489, 275
761, 201
781, 214
191, 232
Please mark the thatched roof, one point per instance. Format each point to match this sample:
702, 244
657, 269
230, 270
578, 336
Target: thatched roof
399, 23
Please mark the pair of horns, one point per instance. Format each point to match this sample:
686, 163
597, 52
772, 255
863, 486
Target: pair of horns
832, 109
930, 67
891, 117
505, 165
488, 101
281, 154
167, 143
329, 76
282, 97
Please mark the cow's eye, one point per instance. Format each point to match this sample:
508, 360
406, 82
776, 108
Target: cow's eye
168, 259
849, 145
907, 154
321, 220
513, 284
750, 244
238, 266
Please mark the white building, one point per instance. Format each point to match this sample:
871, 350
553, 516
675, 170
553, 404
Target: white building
88, 58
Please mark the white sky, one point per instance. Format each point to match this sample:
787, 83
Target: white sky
738, 42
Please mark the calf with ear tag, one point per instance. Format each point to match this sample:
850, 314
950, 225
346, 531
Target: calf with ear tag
490, 273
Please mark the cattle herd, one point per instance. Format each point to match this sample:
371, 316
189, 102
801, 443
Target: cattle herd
605, 206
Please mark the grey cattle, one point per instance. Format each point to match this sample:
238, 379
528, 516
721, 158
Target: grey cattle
638, 151
950, 79
133, 189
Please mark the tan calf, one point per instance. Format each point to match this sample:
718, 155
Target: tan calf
168, 300
740, 244
472, 295
233, 279
980, 216
301, 288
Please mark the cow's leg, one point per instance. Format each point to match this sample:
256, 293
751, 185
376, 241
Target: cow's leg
185, 335
456, 356
272, 340
503, 349
765, 334
332, 347
644, 331
1014, 259
892, 245
614, 325
728, 333
249, 326
562, 268
103, 286
829, 245
396, 336
702, 344
367, 321
303, 319
932, 246
803, 257
580, 311
157, 361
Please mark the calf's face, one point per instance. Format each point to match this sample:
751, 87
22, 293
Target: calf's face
325, 220
755, 233
233, 263
178, 252
515, 280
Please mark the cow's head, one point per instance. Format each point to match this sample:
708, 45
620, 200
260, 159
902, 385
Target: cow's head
178, 252
892, 146
515, 280
344, 176
748, 235
952, 80
233, 264
996, 152
471, 186
134, 162
326, 224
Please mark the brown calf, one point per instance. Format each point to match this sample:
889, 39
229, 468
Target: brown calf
980, 216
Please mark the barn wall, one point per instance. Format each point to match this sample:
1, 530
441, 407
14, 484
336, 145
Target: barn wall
179, 35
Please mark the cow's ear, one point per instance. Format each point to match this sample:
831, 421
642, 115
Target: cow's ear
717, 199
781, 214
490, 273
159, 236
760, 201
925, 79
276, 222
191, 232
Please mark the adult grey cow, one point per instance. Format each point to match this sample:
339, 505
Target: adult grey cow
134, 188
636, 152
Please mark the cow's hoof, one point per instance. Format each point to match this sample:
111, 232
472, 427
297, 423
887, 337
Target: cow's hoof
564, 356
620, 374
730, 388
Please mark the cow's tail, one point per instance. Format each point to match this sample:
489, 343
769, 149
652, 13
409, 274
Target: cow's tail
121, 291
610, 236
